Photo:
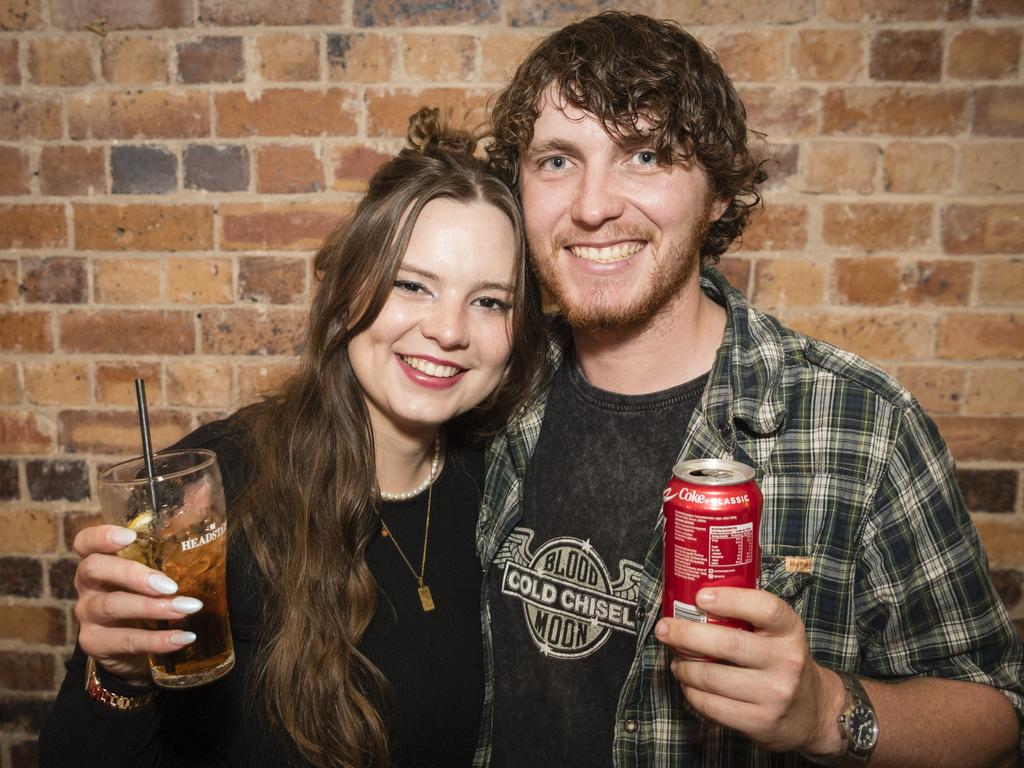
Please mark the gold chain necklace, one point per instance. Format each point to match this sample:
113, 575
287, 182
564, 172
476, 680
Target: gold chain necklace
426, 599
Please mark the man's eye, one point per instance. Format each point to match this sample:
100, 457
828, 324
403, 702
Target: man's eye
646, 157
556, 163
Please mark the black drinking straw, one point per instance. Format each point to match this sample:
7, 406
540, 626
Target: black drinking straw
147, 449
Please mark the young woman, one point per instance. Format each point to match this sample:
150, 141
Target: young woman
353, 581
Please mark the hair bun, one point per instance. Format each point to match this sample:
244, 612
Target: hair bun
429, 132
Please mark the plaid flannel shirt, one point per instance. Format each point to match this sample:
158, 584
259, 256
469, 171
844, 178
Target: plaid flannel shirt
856, 478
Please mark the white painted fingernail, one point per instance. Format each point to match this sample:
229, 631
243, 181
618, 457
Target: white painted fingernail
162, 584
186, 604
183, 638
123, 536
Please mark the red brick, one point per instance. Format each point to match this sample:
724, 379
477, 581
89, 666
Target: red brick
938, 389
917, 167
994, 391
25, 332
129, 60
691, 12
33, 624
24, 432
737, 271
211, 60
977, 438
984, 54
72, 170
128, 332
55, 280
30, 531
781, 111
289, 57
27, 671
782, 166
842, 167
992, 167
14, 171
999, 8
9, 292
877, 336
389, 13
439, 57
152, 114
9, 73
892, 10
779, 227
287, 112
60, 61
788, 283
138, 14
1001, 281
360, 57
907, 55
897, 111
230, 13
200, 384
20, 14
272, 280
983, 228
32, 226
999, 111
77, 521
257, 331
388, 109
199, 281
255, 381
980, 336
751, 56
288, 169
353, 164
117, 432
115, 383
127, 281
287, 226
877, 226
10, 394
61, 382
143, 227
502, 51
883, 281
827, 54
24, 117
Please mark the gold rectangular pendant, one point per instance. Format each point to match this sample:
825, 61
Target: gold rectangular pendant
426, 598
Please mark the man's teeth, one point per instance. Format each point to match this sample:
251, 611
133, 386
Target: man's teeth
609, 253
427, 367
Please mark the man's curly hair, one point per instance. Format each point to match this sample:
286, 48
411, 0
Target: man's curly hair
646, 81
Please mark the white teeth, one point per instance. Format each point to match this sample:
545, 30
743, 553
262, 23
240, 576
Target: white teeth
427, 367
608, 254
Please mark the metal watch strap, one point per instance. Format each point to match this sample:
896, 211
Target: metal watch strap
850, 756
96, 691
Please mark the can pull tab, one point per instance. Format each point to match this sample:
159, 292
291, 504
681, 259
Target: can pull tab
715, 473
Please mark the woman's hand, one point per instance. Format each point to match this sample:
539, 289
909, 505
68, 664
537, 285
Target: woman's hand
115, 595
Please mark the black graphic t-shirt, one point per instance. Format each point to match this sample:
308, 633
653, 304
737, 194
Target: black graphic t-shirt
563, 586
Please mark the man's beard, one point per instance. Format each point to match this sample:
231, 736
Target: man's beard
672, 271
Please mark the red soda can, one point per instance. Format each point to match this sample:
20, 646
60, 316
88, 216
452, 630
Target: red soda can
712, 510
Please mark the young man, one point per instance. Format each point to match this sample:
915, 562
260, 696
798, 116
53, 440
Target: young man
877, 632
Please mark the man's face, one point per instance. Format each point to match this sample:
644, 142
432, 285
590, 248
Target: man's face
614, 233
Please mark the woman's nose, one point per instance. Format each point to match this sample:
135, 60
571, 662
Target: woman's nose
446, 323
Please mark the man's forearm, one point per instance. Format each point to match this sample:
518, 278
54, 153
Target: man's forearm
935, 722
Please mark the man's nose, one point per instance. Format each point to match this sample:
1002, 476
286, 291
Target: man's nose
598, 198
446, 323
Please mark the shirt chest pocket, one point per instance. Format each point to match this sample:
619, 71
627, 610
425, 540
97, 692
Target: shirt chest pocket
789, 577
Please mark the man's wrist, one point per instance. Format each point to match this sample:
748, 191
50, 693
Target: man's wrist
827, 738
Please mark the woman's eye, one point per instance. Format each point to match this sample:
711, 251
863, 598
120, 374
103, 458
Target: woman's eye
490, 302
409, 286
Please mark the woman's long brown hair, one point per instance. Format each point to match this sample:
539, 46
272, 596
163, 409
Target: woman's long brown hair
307, 512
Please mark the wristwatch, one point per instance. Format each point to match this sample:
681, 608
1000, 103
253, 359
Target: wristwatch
94, 688
858, 726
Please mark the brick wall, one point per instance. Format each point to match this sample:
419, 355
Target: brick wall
166, 167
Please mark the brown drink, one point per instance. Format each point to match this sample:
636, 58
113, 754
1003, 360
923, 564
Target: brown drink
185, 538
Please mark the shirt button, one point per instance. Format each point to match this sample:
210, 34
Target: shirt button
631, 726
641, 613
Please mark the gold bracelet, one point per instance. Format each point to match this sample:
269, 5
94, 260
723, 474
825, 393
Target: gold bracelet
95, 689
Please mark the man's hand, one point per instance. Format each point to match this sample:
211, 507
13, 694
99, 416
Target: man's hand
764, 683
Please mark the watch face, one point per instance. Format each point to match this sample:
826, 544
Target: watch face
863, 728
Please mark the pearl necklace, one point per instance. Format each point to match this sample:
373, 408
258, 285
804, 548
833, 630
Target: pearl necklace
386, 496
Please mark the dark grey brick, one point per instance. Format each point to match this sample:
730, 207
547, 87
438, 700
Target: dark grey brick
988, 490
62, 579
211, 60
57, 480
138, 170
8, 480
216, 168
21, 576
55, 280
